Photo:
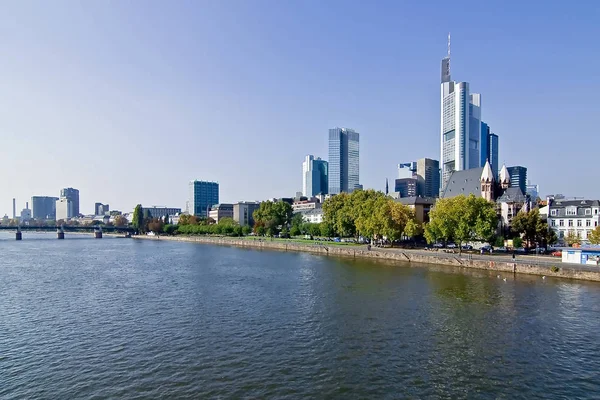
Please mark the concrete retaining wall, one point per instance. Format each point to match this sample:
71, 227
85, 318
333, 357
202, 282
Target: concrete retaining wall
387, 254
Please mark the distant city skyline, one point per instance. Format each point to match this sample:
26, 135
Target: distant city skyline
222, 93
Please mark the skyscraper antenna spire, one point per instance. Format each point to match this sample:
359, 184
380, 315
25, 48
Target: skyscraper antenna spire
448, 44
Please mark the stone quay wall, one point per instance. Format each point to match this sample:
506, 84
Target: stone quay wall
501, 265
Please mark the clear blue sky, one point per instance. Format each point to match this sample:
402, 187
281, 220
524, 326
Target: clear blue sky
129, 100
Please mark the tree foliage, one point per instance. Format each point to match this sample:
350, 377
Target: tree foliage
461, 219
155, 225
572, 238
594, 236
120, 221
273, 216
533, 229
138, 218
366, 213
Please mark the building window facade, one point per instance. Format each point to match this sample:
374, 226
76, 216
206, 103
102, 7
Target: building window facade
570, 222
561, 222
588, 223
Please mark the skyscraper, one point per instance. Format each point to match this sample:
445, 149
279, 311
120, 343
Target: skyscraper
314, 176
43, 207
460, 124
203, 194
518, 177
343, 160
493, 146
73, 196
489, 148
428, 177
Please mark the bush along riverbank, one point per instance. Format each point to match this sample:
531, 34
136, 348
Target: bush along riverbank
492, 263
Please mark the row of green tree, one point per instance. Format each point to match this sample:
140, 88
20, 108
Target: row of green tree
370, 214
464, 219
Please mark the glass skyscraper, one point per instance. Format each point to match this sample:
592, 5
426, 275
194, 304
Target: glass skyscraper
489, 148
315, 174
43, 207
203, 195
460, 125
343, 160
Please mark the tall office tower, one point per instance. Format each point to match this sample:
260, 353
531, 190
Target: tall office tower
489, 148
460, 124
73, 196
343, 160
428, 177
43, 207
203, 194
518, 177
314, 176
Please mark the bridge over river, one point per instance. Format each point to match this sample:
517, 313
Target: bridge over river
60, 230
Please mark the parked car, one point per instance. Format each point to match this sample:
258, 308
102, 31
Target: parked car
467, 247
521, 250
438, 245
451, 245
556, 253
486, 248
501, 249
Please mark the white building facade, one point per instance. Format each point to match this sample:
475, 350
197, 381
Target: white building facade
460, 114
579, 217
64, 209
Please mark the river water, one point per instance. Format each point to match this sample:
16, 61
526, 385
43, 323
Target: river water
121, 318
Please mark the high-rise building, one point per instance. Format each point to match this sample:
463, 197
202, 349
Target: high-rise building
343, 160
64, 209
43, 207
518, 177
489, 148
460, 124
315, 174
101, 209
203, 194
428, 177
72, 195
533, 191
406, 187
493, 146
407, 170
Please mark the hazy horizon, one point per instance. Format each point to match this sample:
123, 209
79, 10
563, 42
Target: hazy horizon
129, 101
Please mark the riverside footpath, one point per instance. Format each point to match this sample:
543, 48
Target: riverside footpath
532, 265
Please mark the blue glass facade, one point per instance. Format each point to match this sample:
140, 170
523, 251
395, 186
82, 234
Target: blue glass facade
489, 148
518, 177
344, 170
484, 146
493, 153
203, 194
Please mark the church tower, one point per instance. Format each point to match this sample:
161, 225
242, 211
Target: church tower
487, 182
504, 178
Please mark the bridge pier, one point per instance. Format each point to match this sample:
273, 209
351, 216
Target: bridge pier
18, 234
60, 233
98, 233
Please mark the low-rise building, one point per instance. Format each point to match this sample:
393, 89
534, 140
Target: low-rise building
306, 205
314, 216
421, 206
243, 212
579, 217
161, 212
220, 211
